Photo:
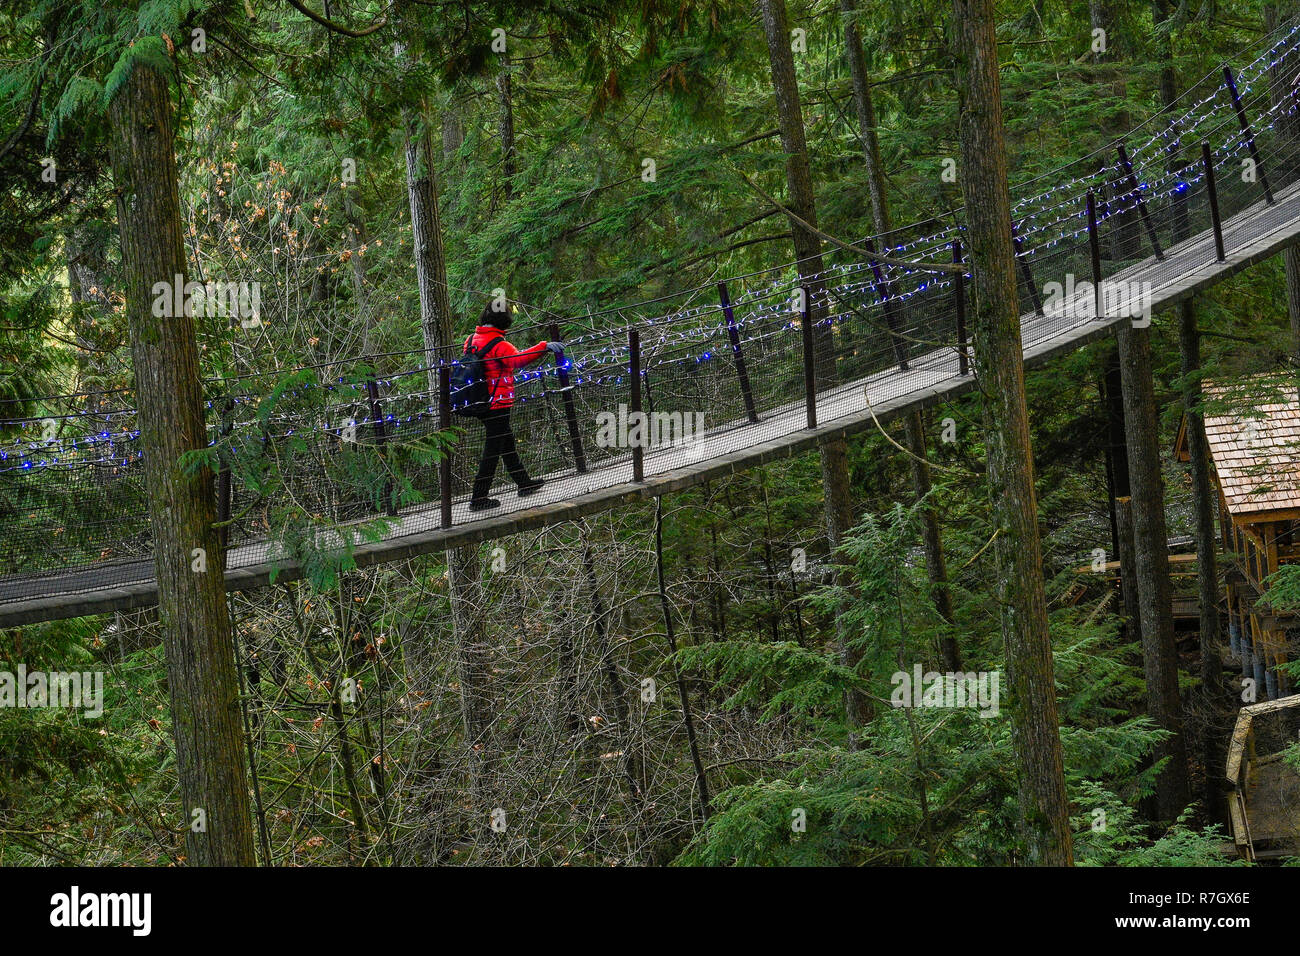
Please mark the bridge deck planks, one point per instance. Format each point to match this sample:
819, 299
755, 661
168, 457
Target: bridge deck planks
1257, 233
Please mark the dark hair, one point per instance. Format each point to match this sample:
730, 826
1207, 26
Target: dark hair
495, 317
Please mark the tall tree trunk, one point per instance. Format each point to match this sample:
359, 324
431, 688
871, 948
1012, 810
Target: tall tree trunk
1151, 564
1125, 241
356, 240
1204, 500
865, 107
1121, 501
936, 566
1099, 19
453, 133
634, 761
468, 617
86, 253
1175, 161
1207, 578
507, 127
807, 247
999, 367
839, 519
1161, 10
688, 720
914, 425
798, 174
201, 677
430, 256
1128, 559
426, 234
466, 583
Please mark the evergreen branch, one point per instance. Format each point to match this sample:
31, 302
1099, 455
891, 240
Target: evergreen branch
336, 27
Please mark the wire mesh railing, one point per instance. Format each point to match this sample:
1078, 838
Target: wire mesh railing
305, 449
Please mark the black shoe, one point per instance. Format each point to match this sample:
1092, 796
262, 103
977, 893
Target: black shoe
483, 504
529, 486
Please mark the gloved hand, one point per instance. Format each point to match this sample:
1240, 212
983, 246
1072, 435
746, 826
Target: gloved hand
556, 347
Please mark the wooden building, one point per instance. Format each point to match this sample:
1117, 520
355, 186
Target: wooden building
1255, 467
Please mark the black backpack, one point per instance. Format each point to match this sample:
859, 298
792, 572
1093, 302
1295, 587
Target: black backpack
471, 394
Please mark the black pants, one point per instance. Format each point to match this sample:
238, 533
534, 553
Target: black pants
499, 443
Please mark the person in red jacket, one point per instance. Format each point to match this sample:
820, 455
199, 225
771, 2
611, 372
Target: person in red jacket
500, 359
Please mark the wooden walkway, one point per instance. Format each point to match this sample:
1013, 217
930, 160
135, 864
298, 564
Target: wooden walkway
1256, 233
1265, 802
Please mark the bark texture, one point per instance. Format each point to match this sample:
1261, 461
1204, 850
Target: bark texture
999, 367
1151, 565
201, 676
914, 425
798, 173
508, 164
1214, 730
807, 247
465, 574
1118, 443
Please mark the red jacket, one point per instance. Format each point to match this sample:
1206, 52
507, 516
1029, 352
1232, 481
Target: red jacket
501, 361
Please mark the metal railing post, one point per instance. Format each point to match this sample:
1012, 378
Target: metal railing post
733, 334
1212, 191
1248, 133
381, 439
1094, 251
885, 294
959, 295
1028, 276
444, 462
1127, 165
224, 490
809, 359
570, 413
634, 406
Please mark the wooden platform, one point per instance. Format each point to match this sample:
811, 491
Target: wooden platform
1273, 805
1265, 802
1255, 234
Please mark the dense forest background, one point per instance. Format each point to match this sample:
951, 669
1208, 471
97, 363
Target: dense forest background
567, 724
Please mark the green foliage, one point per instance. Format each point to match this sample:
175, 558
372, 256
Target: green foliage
66, 779
1292, 756
265, 119
781, 680
1284, 587
1112, 835
927, 785
80, 95
865, 807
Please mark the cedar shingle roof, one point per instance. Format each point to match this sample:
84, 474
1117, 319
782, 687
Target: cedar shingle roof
1256, 452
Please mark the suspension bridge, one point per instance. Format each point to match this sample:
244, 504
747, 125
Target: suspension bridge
341, 455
